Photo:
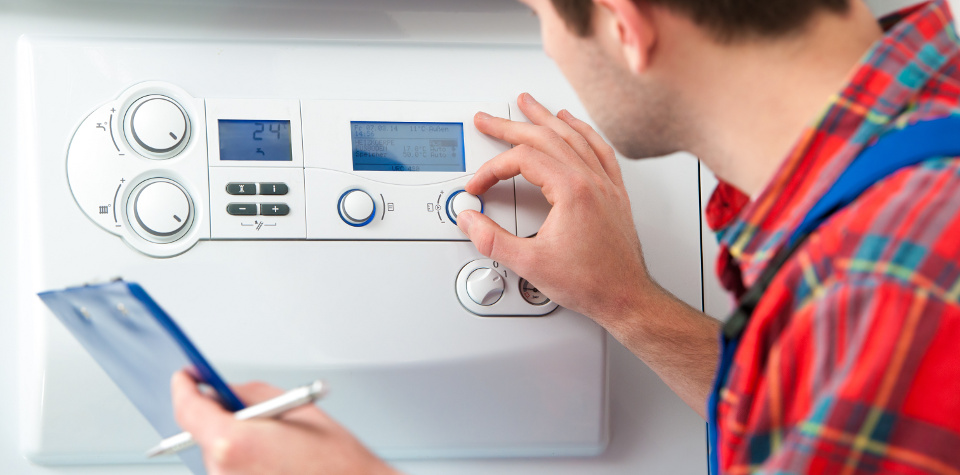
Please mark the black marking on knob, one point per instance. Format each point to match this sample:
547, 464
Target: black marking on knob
177, 218
174, 136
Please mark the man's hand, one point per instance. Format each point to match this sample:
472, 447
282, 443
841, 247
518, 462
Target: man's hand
587, 256
302, 441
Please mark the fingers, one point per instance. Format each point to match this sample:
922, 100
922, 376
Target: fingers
544, 149
197, 414
539, 137
604, 152
538, 168
540, 115
495, 242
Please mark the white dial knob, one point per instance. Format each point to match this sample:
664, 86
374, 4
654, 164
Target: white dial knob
357, 208
485, 286
162, 209
461, 201
158, 125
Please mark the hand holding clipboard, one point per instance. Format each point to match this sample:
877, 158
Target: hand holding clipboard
140, 347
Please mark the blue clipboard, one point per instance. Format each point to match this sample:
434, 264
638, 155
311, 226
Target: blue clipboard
140, 347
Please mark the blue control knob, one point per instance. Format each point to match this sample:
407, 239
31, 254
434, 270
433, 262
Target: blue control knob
357, 208
460, 201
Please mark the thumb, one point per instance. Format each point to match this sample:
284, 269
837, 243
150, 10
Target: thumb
492, 240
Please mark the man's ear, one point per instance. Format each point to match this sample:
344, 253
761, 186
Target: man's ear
627, 26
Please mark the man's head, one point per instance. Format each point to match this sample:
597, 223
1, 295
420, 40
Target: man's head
729, 20
625, 58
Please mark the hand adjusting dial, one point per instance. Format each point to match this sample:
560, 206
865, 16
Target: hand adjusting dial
460, 201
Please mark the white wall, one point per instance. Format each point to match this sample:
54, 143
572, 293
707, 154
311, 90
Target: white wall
883, 7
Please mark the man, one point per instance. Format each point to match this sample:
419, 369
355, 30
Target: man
849, 364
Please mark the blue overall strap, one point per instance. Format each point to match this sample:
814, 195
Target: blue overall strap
910, 146
914, 144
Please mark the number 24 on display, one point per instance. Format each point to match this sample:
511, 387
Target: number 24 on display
273, 129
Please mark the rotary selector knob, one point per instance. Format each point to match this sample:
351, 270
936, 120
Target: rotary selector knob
485, 286
158, 127
357, 208
461, 201
161, 209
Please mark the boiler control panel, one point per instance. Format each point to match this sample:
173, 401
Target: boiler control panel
164, 170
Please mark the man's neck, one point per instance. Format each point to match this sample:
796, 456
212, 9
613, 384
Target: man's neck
752, 100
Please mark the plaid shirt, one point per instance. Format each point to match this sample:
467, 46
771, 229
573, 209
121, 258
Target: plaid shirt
851, 363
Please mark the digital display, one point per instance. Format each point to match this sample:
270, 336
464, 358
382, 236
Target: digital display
255, 140
408, 146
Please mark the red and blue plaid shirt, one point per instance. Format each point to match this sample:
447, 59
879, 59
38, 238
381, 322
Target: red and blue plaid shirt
851, 363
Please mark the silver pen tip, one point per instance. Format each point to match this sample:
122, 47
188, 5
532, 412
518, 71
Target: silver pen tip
155, 452
318, 389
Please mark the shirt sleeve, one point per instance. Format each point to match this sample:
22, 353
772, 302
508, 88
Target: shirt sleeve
880, 373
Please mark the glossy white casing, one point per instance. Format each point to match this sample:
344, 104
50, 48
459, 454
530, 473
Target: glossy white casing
472, 390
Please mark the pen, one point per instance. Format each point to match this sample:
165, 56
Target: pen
271, 408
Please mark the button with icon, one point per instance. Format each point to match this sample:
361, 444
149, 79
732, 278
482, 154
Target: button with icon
273, 189
242, 188
274, 209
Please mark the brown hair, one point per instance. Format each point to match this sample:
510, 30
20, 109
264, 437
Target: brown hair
727, 19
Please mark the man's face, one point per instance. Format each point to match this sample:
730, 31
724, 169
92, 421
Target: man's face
636, 112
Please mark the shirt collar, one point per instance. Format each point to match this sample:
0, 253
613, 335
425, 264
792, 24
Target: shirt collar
884, 86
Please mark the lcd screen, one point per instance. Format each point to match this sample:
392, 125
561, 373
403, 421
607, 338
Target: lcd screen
408, 146
255, 140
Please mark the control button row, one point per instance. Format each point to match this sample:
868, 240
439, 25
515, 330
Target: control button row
357, 208
251, 188
250, 209
486, 289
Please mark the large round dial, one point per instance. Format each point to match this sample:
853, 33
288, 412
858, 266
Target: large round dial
161, 210
357, 208
158, 127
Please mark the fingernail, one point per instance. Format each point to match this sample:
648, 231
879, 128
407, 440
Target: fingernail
483, 116
528, 98
463, 222
565, 114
